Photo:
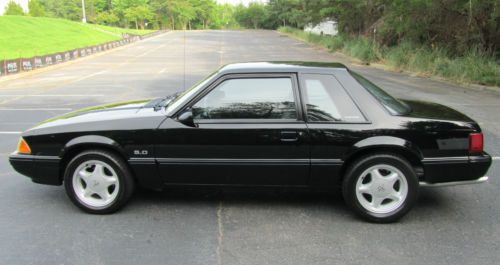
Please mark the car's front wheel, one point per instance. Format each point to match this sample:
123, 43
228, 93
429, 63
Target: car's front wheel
98, 181
380, 187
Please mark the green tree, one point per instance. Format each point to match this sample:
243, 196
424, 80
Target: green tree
224, 17
180, 12
120, 7
107, 18
139, 15
36, 9
13, 9
253, 16
68, 9
204, 11
286, 12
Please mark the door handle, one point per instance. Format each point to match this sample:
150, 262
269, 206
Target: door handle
289, 136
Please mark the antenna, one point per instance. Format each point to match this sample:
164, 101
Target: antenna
184, 82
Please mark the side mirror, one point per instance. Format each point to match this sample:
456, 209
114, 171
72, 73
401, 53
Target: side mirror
186, 118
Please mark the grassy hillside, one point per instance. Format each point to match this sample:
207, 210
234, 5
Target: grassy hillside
22, 36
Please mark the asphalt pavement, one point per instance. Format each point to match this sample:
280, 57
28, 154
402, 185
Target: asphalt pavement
39, 225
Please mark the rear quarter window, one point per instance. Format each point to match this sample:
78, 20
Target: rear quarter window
327, 101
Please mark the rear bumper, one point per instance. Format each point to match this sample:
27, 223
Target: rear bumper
41, 169
454, 183
455, 170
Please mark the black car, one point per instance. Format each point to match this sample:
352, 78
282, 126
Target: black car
296, 124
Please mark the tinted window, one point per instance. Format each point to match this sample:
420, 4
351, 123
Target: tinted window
326, 100
393, 105
248, 98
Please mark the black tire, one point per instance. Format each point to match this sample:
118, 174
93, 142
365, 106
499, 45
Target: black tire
355, 172
125, 180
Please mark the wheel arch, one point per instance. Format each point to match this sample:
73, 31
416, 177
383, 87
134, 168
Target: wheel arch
88, 142
385, 144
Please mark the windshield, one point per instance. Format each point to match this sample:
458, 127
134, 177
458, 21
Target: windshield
187, 94
394, 106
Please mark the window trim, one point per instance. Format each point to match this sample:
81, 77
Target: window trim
304, 104
295, 89
379, 102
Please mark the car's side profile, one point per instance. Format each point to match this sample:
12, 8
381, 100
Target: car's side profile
296, 124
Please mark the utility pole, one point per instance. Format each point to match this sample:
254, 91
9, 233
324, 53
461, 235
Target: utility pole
84, 17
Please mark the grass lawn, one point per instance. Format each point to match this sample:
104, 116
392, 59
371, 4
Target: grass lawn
23, 36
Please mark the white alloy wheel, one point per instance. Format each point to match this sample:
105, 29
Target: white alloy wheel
95, 184
381, 189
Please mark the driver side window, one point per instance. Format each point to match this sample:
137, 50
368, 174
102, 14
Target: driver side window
248, 98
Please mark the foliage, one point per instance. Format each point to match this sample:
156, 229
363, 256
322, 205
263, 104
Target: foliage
26, 36
13, 9
36, 9
153, 14
139, 15
68, 9
457, 25
107, 18
474, 66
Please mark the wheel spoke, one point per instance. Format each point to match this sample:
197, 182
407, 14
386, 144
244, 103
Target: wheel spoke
110, 181
376, 176
88, 192
103, 194
394, 197
392, 178
84, 175
376, 201
98, 170
366, 188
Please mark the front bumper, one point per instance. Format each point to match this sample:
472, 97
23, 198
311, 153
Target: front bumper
444, 171
41, 169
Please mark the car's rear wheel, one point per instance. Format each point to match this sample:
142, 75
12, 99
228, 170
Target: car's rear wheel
98, 181
380, 187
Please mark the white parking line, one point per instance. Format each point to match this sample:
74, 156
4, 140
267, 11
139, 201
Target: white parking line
34, 109
496, 158
56, 95
10, 132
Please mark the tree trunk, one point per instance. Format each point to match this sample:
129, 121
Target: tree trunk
136, 24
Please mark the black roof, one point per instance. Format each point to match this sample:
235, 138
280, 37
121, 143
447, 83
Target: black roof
279, 66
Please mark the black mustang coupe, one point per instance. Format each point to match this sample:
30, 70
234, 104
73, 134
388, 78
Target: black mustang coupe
295, 124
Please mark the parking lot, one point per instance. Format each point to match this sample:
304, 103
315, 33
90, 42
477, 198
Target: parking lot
39, 225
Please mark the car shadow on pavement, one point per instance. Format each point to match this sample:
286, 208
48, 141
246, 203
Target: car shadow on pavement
430, 202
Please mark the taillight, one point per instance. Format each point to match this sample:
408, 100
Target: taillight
476, 143
23, 147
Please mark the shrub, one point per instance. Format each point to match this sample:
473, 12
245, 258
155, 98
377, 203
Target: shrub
474, 66
398, 56
363, 49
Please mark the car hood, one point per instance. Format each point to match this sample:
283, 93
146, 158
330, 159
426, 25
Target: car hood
429, 110
115, 111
